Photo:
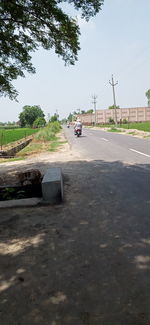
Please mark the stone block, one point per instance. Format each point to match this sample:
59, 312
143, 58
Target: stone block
52, 186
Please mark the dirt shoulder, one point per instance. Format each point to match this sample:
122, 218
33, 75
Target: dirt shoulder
132, 132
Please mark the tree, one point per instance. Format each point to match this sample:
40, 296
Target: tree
148, 93
39, 122
90, 111
26, 25
148, 96
113, 107
70, 117
29, 115
54, 118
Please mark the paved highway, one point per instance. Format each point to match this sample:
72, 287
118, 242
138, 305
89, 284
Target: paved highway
109, 146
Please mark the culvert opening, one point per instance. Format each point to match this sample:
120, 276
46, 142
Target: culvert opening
28, 185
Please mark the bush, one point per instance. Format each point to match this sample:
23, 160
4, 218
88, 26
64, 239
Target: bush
111, 121
54, 126
49, 133
39, 122
125, 121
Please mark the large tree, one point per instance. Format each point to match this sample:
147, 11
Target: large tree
27, 24
29, 115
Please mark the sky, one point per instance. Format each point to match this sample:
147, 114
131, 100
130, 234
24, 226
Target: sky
116, 41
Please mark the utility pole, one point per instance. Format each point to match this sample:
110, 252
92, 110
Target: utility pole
113, 87
48, 116
94, 102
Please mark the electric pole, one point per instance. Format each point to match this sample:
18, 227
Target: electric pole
94, 102
113, 87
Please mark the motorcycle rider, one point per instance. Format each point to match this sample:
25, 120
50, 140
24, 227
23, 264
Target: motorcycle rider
78, 125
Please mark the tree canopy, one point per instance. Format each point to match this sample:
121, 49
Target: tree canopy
148, 94
54, 118
26, 25
39, 122
113, 107
30, 114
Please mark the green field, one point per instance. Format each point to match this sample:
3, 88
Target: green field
143, 126
8, 136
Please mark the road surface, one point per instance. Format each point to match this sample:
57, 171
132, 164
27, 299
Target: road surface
86, 261
109, 146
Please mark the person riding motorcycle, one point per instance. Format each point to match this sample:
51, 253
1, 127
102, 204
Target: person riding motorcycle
78, 125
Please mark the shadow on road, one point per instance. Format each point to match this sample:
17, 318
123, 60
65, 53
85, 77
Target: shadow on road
86, 261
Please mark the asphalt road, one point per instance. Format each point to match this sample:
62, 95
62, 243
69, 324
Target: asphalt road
109, 146
86, 261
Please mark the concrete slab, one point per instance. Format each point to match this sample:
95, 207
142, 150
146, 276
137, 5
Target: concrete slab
52, 186
20, 203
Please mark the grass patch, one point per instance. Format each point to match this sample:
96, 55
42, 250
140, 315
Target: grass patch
55, 145
4, 160
31, 149
143, 126
113, 129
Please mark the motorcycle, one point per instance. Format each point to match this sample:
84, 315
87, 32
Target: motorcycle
77, 132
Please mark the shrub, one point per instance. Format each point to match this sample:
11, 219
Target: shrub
111, 121
49, 133
125, 121
54, 126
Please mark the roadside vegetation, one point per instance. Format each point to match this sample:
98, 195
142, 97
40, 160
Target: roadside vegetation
47, 139
141, 126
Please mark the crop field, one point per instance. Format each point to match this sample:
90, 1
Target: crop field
8, 136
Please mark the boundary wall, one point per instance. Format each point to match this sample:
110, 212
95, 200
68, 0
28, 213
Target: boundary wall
136, 114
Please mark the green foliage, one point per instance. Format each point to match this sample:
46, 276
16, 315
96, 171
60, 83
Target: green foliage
54, 126
27, 25
39, 122
29, 115
113, 107
148, 94
111, 121
89, 111
54, 118
143, 126
48, 133
8, 136
124, 121
45, 134
70, 117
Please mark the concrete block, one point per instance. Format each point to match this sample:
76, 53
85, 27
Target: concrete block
52, 186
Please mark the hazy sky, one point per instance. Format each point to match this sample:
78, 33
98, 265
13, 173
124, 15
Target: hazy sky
116, 41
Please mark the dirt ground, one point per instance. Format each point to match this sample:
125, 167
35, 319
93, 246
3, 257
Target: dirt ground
85, 261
